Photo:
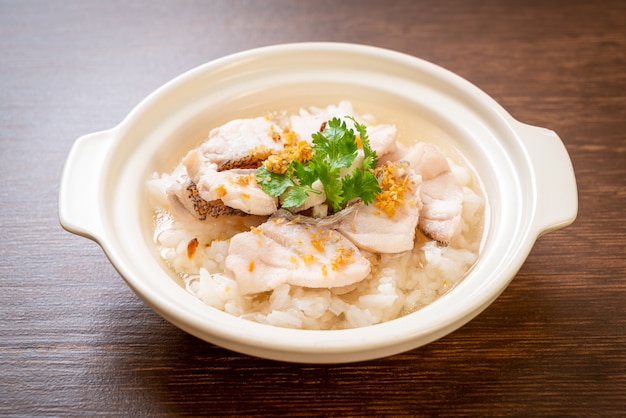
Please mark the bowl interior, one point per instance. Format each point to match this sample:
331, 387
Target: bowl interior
426, 103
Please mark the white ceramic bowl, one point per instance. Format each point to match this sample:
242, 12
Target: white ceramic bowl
526, 173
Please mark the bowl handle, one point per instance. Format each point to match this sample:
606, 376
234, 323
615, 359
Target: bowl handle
80, 185
555, 182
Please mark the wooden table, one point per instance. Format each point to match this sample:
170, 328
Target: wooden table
75, 340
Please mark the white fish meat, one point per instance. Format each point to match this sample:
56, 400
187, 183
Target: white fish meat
241, 143
373, 229
187, 202
382, 139
441, 193
236, 188
308, 121
280, 251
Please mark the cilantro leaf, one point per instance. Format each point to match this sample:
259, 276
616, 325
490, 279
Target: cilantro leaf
370, 157
305, 173
294, 197
334, 151
336, 145
329, 177
361, 184
273, 184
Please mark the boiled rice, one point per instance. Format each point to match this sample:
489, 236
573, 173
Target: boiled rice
398, 284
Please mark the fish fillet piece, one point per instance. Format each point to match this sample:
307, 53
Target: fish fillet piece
382, 139
186, 201
427, 160
235, 188
440, 218
281, 251
308, 121
372, 229
441, 193
241, 143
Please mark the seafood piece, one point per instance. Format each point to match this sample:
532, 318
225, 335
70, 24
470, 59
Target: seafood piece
280, 251
427, 160
236, 188
241, 143
315, 201
440, 217
186, 200
307, 122
389, 224
441, 193
382, 139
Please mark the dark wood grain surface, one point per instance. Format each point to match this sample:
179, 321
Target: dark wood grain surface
75, 340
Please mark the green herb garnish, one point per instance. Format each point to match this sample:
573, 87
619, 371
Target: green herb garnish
334, 151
